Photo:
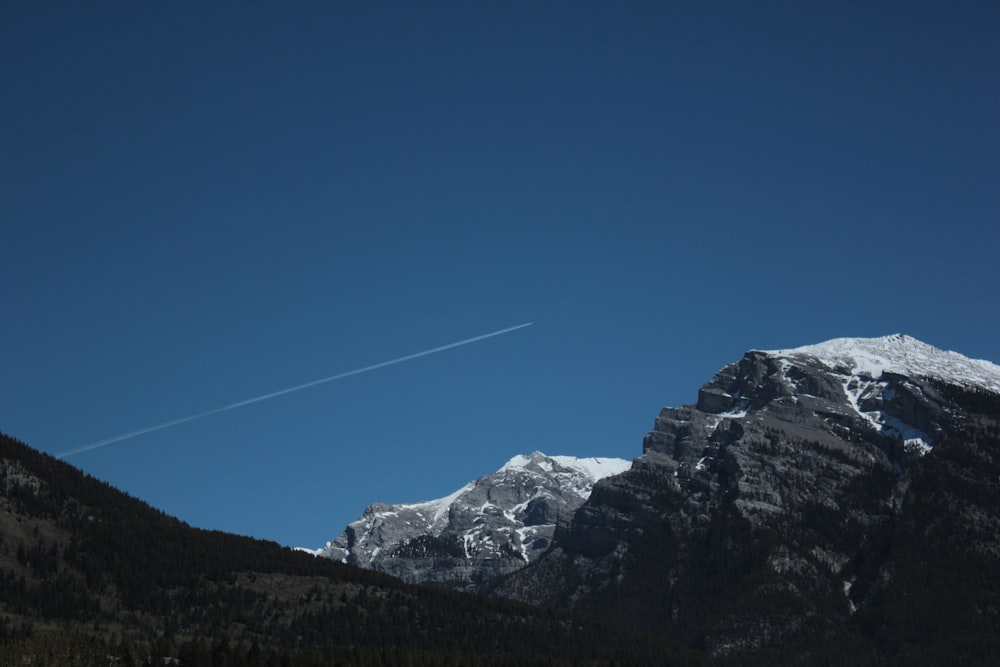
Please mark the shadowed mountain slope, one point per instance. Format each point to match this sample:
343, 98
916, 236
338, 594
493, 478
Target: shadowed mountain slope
833, 504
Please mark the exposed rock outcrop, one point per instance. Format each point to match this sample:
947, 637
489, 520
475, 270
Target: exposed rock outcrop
488, 528
773, 512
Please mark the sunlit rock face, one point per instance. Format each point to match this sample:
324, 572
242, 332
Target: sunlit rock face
490, 527
772, 508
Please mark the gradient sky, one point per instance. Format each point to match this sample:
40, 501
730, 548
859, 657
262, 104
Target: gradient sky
201, 203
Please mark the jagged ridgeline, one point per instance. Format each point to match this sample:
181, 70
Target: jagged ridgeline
490, 527
832, 504
89, 574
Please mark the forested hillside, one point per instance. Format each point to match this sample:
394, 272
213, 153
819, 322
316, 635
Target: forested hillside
88, 572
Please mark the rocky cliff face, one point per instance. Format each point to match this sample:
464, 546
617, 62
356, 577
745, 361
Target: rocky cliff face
488, 528
785, 510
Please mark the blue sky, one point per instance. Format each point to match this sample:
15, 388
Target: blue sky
207, 202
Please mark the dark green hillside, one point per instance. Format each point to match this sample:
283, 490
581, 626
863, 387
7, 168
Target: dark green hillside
88, 571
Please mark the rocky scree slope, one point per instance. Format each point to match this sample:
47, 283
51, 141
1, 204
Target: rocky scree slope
490, 527
836, 500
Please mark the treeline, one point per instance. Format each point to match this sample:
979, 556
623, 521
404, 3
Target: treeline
87, 651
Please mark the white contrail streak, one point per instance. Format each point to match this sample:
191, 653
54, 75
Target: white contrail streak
282, 392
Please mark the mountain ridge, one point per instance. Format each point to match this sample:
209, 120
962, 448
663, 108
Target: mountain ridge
901, 354
488, 527
780, 513
829, 504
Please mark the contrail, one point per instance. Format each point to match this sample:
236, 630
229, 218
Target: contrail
282, 392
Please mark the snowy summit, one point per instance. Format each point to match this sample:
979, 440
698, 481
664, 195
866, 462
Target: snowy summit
900, 354
488, 527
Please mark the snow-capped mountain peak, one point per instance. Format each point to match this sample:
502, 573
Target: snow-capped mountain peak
594, 468
809, 474
878, 377
900, 354
490, 526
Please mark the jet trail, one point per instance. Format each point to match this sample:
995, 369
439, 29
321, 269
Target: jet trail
282, 392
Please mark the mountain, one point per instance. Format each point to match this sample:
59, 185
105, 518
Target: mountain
90, 575
831, 504
836, 504
489, 527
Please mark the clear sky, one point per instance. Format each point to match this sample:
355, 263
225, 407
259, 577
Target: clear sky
202, 203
